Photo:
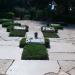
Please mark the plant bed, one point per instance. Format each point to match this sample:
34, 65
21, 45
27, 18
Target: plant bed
34, 52
50, 35
22, 42
17, 33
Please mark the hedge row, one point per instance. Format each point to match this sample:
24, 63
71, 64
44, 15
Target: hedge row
47, 43
17, 33
5, 20
50, 35
22, 43
34, 52
57, 26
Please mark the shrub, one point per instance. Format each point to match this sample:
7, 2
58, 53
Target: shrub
17, 24
5, 20
27, 28
22, 42
35, 52
47, 43
50, 35
57, 26
17, 33
6, 24
10, 28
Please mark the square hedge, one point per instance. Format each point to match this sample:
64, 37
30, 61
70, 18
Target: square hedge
34, 52
50, 35
5, 20
22, 42
17, 33
6, 24
10, 28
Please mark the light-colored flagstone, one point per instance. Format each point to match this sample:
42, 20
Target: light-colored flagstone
33, 67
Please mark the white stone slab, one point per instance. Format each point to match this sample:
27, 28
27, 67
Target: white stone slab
10, 52
61, 47
67, 65
48, 28
33, 67
9, 43
30, 37
72, 72
62, 56
62, 73
19, 27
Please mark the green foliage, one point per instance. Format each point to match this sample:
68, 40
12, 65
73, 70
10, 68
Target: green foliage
33, 13
50, 35
26, 28
34, 52
6, 24
47, 43
17, 33
5, 20
22, 42
17, 24
57, 26
10, 28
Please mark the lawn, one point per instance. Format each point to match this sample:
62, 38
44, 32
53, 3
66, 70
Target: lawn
34, 52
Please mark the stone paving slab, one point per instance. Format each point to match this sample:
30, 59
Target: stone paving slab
62, 56
61, 47
4, 65
72, 72
9, 43
33, 67
67, 66
10, 52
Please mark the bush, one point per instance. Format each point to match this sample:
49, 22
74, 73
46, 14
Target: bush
57, 26
5, 20
17, 24
17, 33
35, 52
27, 28
22, 42
6, 24
10, 28
50, 35
47, 43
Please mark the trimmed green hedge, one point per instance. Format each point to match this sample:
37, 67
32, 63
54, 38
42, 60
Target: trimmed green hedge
6, 24
50, 35
5, 20
17, 33
17, 24
10, 28
27, 28
34, 52
22, 42
57, 26
47, 43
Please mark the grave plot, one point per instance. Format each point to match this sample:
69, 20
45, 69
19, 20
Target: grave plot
34, 47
